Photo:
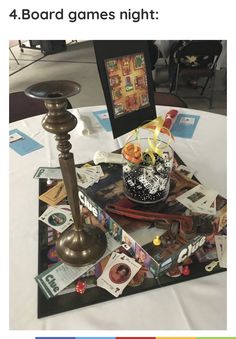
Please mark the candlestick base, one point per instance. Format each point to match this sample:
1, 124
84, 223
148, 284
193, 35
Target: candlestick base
81, 247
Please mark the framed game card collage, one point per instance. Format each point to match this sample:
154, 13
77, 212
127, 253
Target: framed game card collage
125, 72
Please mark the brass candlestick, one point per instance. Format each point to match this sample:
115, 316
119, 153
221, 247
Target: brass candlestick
81, 244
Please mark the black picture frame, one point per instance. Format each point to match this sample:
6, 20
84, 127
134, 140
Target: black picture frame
143, 109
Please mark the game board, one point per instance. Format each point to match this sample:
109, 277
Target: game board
135, 237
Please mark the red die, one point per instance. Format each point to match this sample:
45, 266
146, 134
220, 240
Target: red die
80, 287
186, 270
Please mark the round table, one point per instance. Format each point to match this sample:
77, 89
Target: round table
197, 304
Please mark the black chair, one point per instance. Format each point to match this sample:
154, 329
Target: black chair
160, 98
167, 99
21, 106
153, 53
194, 60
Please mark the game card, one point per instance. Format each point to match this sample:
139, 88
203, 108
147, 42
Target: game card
95, 172
208, 206
199, 200
87, 176
222, 218
48, 173
211, 199
187, 171
221, 248
194, 197
15, 137
103, 121
204, 209
64, 208
56, 218
117, 274
55, 194
82, 179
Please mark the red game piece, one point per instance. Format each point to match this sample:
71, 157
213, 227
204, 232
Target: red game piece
80, 287
186, 270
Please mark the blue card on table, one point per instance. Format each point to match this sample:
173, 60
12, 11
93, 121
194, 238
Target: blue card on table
103, 118
185, 125
22, 143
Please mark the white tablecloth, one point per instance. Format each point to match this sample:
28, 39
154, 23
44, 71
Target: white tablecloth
197, 304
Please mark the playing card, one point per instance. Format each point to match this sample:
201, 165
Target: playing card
15, 137
117, 274
57, 218
55, 194
187, 171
